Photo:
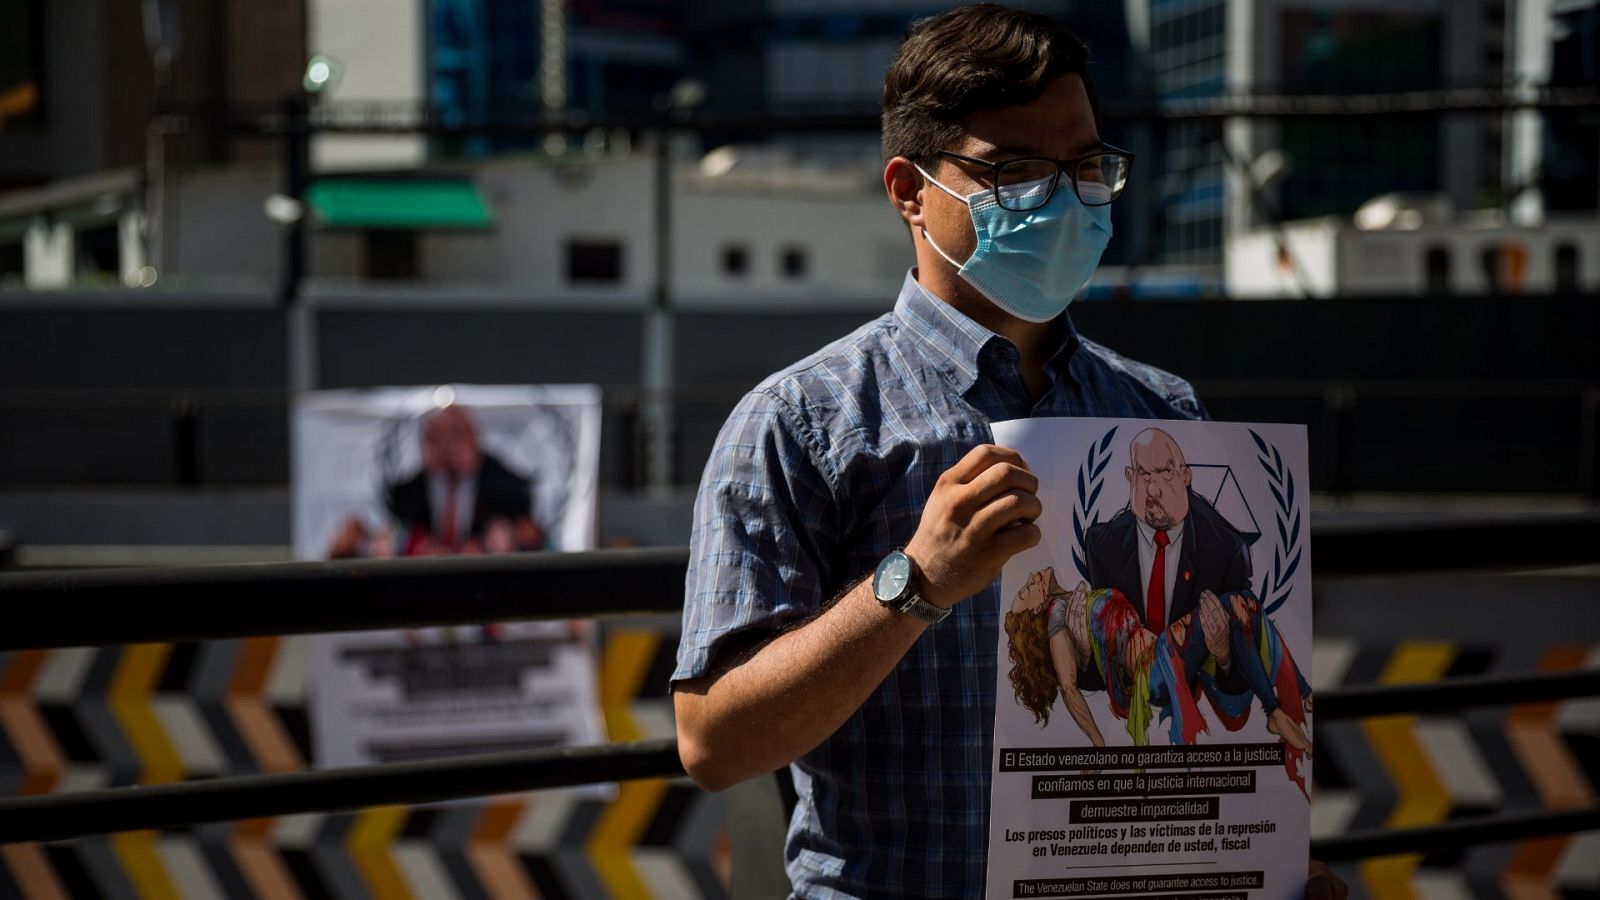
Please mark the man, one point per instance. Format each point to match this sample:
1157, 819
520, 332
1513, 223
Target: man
1169, 547
881, 441
463, 499
1169, 544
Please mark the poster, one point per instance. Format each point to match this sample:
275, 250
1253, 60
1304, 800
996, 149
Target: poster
452, 469
1135, 760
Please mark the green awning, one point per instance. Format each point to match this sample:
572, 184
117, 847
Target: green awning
398, 204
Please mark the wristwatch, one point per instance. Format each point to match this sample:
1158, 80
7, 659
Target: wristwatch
895, 586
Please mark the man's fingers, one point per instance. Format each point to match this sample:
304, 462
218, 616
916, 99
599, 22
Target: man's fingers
994, 482
1323, 884
1017, 538
980, 458
1007, 509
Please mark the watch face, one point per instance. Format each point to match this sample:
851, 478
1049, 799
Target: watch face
893, 575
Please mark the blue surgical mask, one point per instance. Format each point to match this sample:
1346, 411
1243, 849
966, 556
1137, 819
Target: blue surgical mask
1031, 264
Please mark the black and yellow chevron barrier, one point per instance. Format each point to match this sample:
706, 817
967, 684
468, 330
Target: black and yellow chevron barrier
228, 704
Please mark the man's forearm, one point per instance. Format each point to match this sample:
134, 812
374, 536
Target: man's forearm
763, 709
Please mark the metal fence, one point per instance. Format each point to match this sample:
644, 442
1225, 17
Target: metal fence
97, 608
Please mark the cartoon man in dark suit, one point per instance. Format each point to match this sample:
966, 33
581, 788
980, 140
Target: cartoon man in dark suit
1169, 547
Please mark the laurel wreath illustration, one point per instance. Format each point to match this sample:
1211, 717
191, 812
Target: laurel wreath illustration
1091, 478
1278, 580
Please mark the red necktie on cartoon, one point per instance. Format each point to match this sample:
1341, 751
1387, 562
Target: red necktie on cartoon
1155, 607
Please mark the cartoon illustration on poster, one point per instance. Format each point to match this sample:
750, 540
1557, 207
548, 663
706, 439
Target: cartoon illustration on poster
1153, 714
448, 470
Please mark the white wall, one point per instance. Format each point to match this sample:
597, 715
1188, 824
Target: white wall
1339, 260
48, 253
1252, 269
855, 246
1359, 274
378, 45
1529, 62
537, 208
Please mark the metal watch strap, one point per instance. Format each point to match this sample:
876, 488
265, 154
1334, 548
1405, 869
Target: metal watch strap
922, 609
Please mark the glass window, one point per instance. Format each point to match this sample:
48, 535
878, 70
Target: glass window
21, 64
795, 262
594, 261
391, 254
1438, 270
96, 250
10, 262
1567, 268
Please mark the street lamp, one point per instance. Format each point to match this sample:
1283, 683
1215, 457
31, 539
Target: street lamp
322, 73
674, 106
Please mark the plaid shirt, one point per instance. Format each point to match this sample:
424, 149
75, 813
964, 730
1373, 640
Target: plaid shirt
819, 472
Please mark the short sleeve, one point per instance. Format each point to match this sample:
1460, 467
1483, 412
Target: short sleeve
1057, 619
764, 520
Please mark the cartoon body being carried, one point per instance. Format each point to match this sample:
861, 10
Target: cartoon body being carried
1118, 632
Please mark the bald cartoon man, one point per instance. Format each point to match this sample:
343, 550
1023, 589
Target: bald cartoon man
1169, 547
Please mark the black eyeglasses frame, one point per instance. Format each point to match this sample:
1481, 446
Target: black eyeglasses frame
1063, 166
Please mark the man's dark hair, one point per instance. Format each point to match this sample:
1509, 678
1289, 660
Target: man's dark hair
970, 59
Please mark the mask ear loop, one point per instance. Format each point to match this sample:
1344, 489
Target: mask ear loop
925, 235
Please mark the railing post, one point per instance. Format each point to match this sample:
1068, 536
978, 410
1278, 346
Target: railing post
186, 442
1589, 442
1337, 402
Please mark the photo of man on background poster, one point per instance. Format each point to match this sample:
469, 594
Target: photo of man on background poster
448, 470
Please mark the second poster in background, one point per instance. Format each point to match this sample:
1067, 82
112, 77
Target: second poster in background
448, 470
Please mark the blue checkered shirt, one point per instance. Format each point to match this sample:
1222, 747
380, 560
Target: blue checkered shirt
820, 471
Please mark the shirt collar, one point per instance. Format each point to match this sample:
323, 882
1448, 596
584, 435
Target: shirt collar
956, 342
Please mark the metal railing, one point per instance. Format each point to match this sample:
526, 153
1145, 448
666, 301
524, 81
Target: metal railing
97, 608
185, 437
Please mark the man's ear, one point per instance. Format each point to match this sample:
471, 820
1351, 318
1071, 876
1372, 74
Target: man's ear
1128, 474
903, 183
1188, 475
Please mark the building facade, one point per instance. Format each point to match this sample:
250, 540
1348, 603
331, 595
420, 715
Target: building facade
1225, 179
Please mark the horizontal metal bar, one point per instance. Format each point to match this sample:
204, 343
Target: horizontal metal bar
391, 118
129, 606
1434, 544
70, 609
54, 817
64, 816
1455, 694
1477, 830
100, 398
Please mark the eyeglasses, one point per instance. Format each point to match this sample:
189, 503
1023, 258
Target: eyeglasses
1028, 182
1166, 473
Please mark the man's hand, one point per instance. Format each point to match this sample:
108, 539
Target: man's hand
979, 515
1322, 884
1214, 625
348, 542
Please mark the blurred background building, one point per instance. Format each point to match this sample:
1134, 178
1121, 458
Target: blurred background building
659, 165
207, 206
663, 164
